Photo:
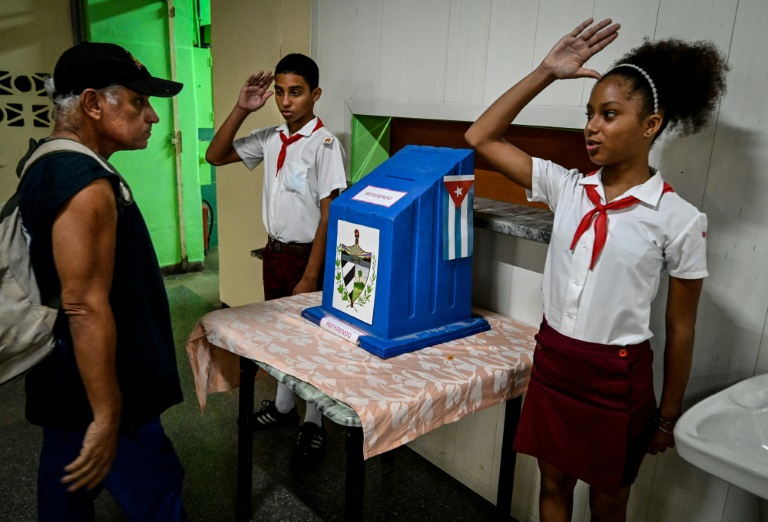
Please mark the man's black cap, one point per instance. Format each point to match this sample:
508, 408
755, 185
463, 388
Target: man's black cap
99, 65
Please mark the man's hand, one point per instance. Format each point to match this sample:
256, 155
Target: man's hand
254, 93
95, 460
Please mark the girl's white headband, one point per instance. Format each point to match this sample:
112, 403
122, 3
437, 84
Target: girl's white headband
650, 82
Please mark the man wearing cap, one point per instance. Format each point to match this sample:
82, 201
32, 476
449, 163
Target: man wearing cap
99, 395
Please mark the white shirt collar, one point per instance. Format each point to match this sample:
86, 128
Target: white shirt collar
649, 192
305, 131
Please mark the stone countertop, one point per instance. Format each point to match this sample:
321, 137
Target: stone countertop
513, 220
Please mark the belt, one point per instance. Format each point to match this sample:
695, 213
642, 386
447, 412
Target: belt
294, 248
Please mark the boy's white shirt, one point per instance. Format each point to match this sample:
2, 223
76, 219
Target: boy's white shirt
313, 169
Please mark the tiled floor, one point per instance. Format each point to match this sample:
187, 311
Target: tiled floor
398, 486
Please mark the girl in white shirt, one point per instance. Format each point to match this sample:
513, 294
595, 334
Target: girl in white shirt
590, 411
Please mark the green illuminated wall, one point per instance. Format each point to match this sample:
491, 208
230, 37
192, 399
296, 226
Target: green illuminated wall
370, 144
142, 27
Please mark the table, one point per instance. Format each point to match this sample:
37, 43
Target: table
384, 403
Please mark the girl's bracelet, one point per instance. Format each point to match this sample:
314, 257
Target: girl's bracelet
667, 426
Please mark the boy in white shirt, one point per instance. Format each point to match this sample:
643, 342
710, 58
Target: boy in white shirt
303, 173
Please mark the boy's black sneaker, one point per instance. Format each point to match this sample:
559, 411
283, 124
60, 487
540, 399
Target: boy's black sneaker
268, 417
309, 446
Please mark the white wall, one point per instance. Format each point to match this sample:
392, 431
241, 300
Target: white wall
448, 59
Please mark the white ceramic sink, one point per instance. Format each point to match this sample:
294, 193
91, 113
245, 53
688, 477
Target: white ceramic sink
727, 435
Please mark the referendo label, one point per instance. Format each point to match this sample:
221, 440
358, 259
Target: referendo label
379, 196
341, 329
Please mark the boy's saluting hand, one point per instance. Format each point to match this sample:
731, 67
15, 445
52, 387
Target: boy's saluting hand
254, 93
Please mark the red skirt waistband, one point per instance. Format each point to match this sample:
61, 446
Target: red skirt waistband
548, 336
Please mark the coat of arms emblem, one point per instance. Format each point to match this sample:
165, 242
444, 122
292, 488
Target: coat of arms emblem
355, 270
354, 273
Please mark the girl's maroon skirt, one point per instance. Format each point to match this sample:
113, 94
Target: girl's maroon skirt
589, 409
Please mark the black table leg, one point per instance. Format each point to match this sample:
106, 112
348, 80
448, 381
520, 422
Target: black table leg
355, 476
244, 504
508, 458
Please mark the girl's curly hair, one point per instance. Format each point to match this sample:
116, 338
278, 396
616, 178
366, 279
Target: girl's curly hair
689, 79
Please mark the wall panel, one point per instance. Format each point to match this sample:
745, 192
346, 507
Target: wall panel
332, 51
365, 31
682, 492
429, 52
686, 160
510, 45
737, 290
468, 44
555, 19
740, 505
397, 33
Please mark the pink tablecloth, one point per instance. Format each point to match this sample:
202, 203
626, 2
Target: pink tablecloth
397, 399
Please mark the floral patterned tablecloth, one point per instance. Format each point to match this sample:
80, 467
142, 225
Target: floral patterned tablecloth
395, 400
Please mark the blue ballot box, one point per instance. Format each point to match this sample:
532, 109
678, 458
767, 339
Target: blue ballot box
398, 263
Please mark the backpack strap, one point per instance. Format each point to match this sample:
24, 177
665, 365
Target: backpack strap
33, 144
58, 145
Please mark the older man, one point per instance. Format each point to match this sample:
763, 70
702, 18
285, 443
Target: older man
99, 395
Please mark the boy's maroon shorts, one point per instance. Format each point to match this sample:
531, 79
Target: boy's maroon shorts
282, 271
589, 409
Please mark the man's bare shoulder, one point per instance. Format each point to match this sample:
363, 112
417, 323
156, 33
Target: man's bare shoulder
93, 202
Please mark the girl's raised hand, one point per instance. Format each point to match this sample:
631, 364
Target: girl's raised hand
254, 93
568, 56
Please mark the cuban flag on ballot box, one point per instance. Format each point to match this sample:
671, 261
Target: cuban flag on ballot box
458, 195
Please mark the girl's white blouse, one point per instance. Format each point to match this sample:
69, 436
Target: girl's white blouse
611, 304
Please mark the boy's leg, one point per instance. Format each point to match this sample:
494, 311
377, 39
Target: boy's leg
279, 275
282, 271
54, 502
272, 274
280, 413
285, 400
313, 415
310, 445
146, 477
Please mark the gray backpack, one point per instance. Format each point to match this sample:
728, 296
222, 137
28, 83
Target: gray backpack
26, 324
